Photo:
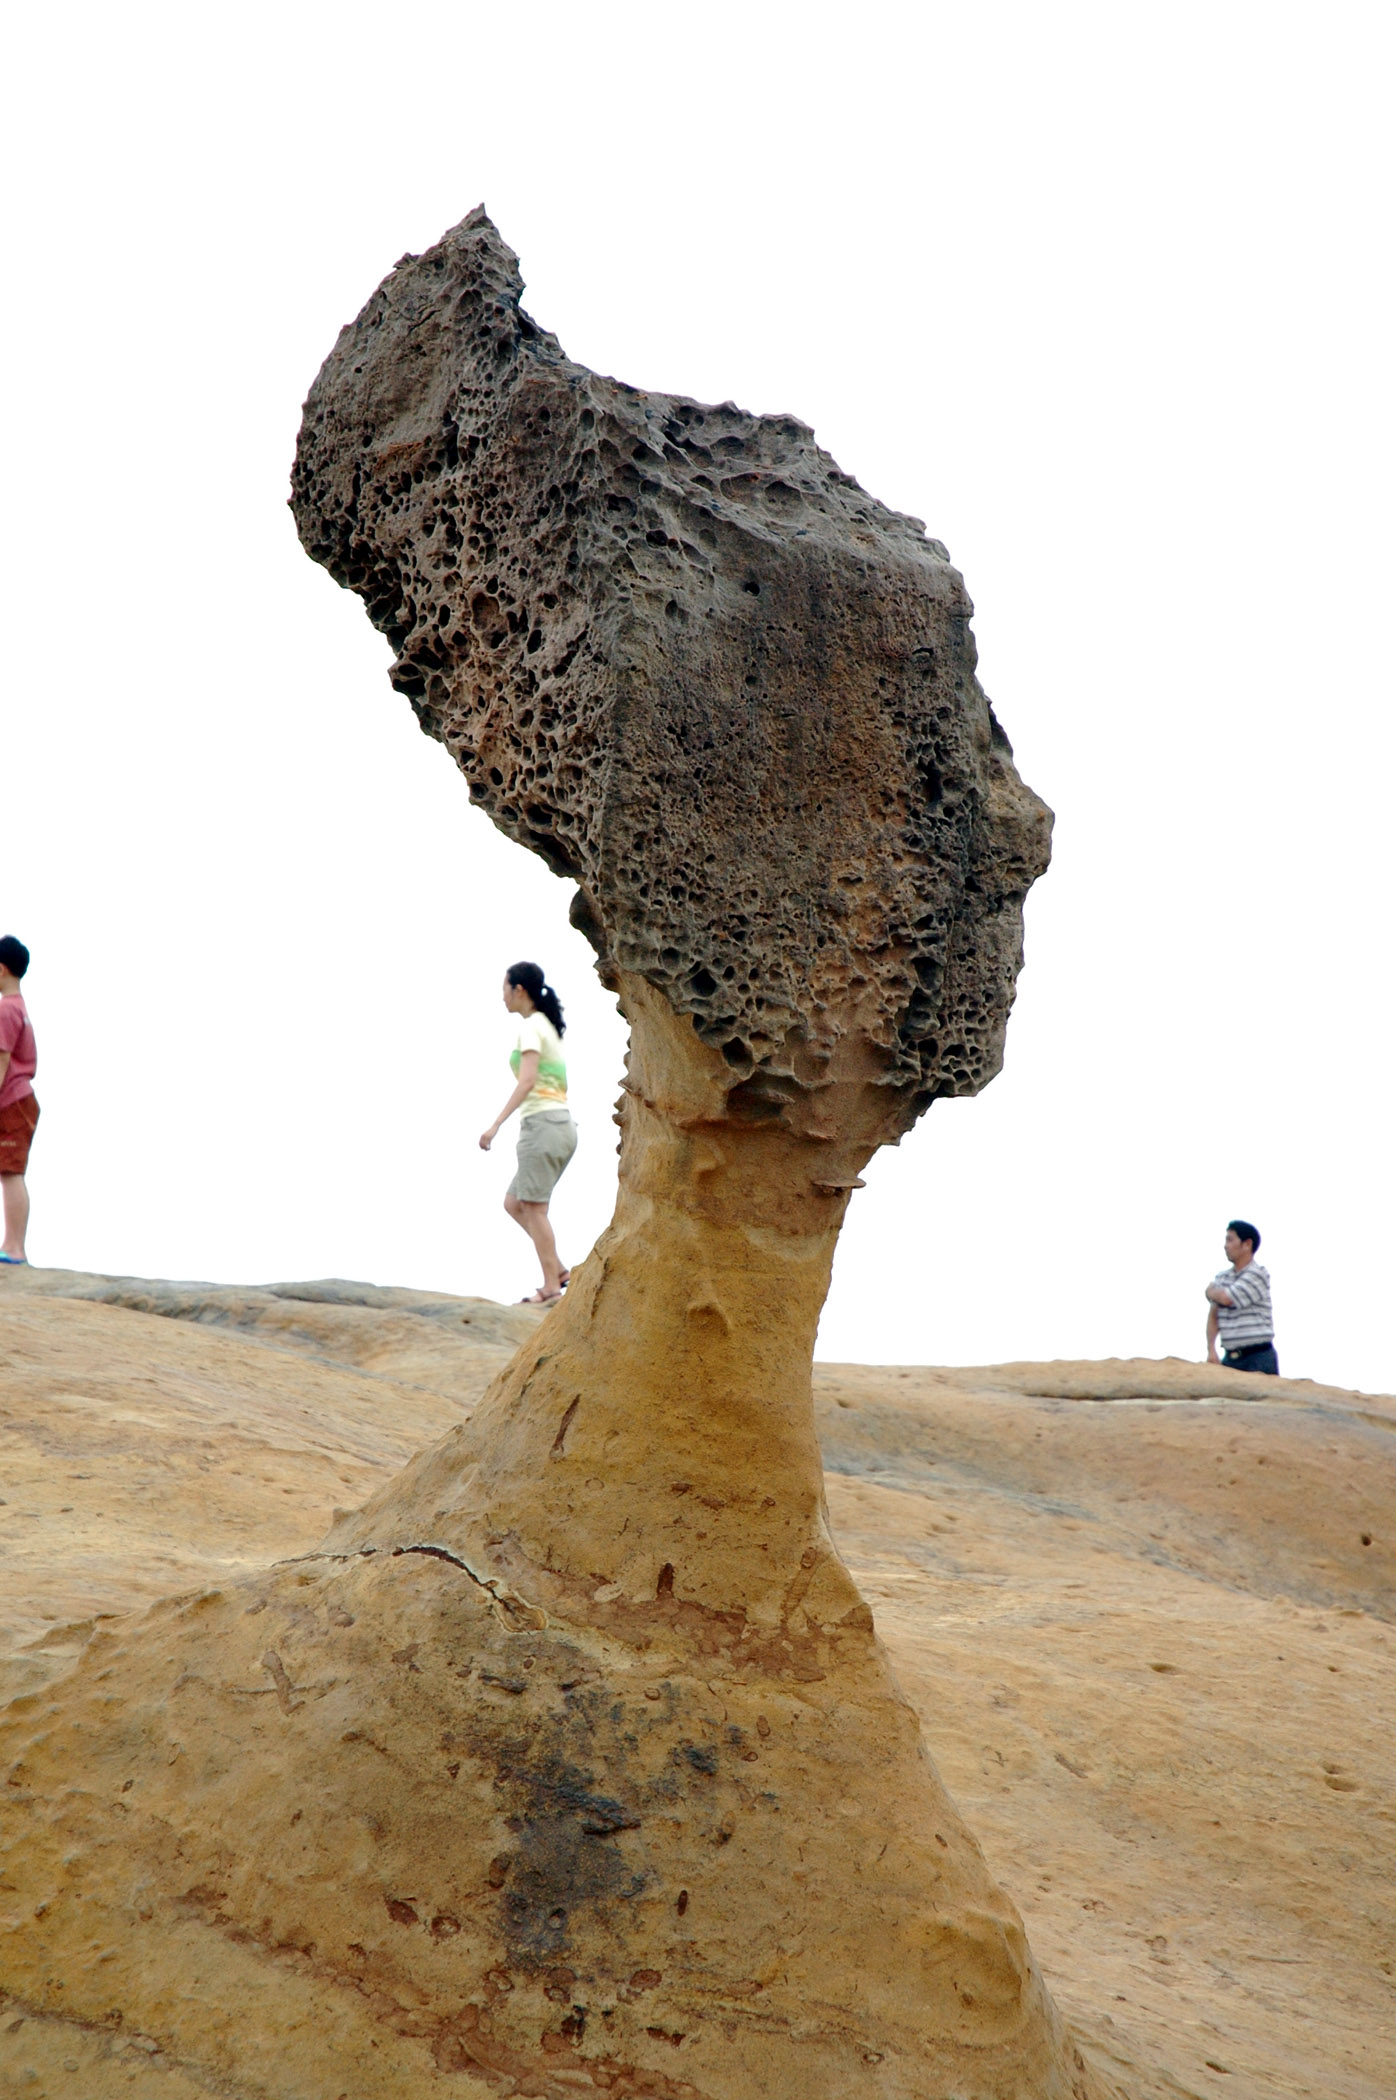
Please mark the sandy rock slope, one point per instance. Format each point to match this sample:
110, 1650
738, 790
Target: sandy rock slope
1144, 1612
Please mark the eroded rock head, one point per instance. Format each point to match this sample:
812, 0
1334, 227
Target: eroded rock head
679, 653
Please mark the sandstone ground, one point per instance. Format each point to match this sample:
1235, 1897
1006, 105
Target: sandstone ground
1145, 1612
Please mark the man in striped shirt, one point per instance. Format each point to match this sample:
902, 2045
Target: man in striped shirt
1239, 1301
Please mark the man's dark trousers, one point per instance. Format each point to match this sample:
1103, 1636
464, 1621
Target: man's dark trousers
1259, 1357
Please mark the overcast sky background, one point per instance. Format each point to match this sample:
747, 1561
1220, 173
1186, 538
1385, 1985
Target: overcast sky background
1102, 293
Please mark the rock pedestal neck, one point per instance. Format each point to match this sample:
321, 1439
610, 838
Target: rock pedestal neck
572, 1761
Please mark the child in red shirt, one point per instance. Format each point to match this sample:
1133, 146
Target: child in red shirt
19, 1111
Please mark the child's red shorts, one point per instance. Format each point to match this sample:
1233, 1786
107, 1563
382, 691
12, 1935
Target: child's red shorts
17, 1121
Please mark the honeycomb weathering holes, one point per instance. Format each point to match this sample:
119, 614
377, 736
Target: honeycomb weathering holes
676, 650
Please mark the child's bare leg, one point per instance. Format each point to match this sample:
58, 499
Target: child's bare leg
16, 1201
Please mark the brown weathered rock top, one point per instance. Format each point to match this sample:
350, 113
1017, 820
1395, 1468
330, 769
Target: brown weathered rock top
678, 652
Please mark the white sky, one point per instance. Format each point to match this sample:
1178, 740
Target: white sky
1100, 291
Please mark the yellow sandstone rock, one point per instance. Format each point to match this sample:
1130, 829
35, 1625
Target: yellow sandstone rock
571, 1760
1131, 1604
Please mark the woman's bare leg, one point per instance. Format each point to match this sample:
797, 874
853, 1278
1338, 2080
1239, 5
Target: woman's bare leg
533, 1217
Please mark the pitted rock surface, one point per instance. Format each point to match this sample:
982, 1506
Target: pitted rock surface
679, 653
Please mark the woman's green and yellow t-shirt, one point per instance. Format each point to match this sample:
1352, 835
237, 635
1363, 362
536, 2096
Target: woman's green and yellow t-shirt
536, 1032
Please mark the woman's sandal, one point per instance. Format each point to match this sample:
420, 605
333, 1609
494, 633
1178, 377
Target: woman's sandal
541, 1297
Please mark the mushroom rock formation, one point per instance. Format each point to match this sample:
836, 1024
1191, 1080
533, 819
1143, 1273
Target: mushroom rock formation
572, 1761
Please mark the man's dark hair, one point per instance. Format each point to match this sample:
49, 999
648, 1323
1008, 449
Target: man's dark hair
14, 956
1243, 1231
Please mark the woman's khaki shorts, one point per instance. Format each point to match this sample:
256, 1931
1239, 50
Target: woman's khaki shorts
547, 1141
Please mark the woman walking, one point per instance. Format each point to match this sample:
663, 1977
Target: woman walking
547, 1134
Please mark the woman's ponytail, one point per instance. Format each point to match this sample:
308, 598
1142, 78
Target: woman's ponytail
552, 1006
529, 978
